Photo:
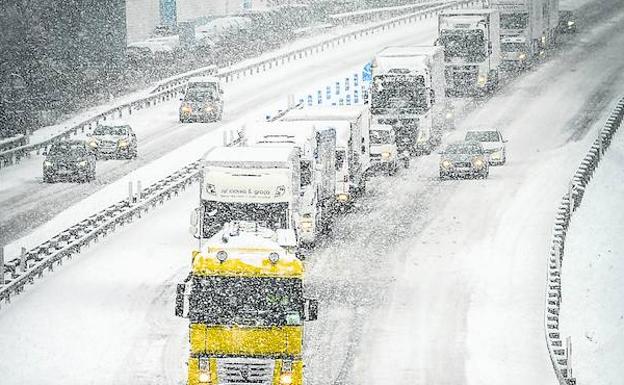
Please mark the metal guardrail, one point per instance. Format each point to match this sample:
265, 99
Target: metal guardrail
560, 354
31, 264
169, 88
368, 15
17, 141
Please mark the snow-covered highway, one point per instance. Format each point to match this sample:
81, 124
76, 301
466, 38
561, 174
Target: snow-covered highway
426, 282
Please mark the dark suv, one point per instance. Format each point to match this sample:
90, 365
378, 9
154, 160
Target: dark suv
70, 160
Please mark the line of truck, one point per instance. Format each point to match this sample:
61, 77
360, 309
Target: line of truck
262, 204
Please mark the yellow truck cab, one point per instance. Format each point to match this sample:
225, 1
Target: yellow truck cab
245, 303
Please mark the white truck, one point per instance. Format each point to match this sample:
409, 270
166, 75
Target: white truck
527, 28
408, 92
471, 40
352, 124
317, 145
253, 184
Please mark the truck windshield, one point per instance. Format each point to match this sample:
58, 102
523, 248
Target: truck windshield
217, 214
467, 44
514, 20
399, 92
246, 301
340, 159
306, 173
380, 137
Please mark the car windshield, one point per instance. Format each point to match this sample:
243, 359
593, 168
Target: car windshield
463, 149
513, 47
201, 92
380, 137
514, 20
67, 148
467, 44
246, 301
306, 173
483, 136
110, 130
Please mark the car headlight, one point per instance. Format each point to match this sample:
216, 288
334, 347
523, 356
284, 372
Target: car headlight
187, 109
482, 79
446, 164
449, 115
386, 155
570, 23
47, 163
522, 56
82, 163
122, 143
93, 143
209, 108
478, 163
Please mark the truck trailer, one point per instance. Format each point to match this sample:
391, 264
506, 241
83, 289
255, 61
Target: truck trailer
352, 124
472, 55
244, 299
317, 146
408, 92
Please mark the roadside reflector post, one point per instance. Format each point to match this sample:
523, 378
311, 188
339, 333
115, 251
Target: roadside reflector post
139, 190
225, 139
291, 101
23, 260
130, 195
569, 356
2, 266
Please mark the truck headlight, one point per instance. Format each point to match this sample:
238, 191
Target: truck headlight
122, 143
306, 222
274, 257
449, 115
82, 163
187, 109
204, 378
342, 198
570, 23
209, 108
47, 163
386, 155
286, 379
446, 164
522, 56
482, 79
93, 143
204, 368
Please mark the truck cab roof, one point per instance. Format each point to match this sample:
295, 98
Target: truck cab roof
260, 157
326, 113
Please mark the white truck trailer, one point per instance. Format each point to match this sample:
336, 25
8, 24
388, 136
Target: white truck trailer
317, 145
527, 28
408, 92
471, 40
352, 124
253, 184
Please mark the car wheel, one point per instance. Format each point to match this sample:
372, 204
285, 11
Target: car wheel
47, 179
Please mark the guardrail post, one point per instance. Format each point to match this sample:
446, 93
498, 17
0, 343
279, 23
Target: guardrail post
569, 356
130, 195
1, 265
23, 260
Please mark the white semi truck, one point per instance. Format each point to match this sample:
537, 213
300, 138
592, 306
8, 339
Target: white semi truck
317, 145
408, 92
528, 27
471, 41
253, 184
352, 124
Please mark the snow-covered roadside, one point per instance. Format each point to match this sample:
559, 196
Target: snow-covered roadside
593, 304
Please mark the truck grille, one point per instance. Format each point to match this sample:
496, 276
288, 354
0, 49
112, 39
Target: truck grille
462, 76
244, 371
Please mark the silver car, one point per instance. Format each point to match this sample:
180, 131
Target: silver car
114, 140
493, 144
464, 159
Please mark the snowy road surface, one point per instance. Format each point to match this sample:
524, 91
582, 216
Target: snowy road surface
427, 282
593, 305
27, 202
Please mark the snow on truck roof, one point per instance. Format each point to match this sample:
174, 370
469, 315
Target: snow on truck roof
416, 50
342, 127
279, 157
204, 79
468, 12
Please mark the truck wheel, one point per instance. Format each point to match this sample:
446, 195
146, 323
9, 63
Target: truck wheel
47, 179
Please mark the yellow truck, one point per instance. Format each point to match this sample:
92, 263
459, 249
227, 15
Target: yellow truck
245, 302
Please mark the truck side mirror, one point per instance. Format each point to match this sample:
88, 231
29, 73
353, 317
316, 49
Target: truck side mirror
436, 42
180, 308
489, 47
311, 310
195, 219
432, 96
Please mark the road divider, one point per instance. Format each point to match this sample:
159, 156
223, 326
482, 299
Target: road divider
558, 351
